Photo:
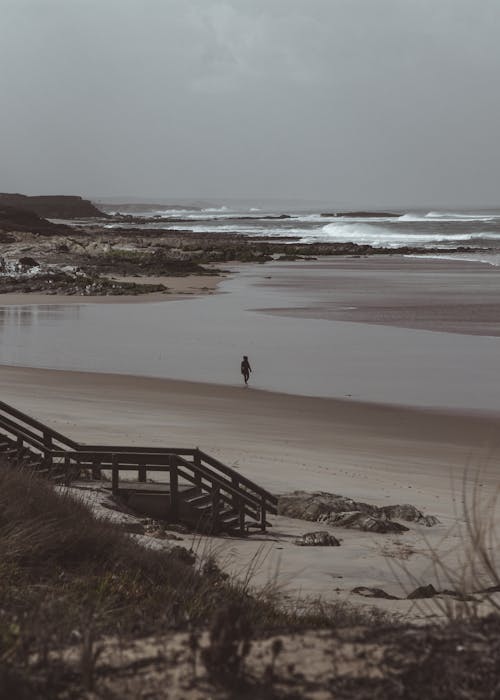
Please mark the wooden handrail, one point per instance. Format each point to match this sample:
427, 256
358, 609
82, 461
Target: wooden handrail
225, 484
242, 479
44, 429
220, 483
25, 433
138, 449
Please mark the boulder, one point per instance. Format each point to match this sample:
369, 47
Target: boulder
312, 505
321, 506
317, 539
423, 592
368, 592
409, 513
135, 528
27, 263
365, 522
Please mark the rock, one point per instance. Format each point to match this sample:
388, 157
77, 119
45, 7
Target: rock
310, 506
409, 513
317, 539
464, 597
401, 512
367, 523
27, 263
134, 528
423, 592
363, 214
321, 506
374, 593
185, 555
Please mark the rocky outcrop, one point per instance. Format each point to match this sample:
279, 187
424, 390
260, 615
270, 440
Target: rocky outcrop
17, 219
363, 521
362, 214
340, 511
71, 283
317, 539
52, 206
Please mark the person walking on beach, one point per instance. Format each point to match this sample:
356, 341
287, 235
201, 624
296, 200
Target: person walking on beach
245, 369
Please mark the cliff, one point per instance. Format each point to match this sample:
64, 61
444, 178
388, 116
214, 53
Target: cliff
52, 206
14, 219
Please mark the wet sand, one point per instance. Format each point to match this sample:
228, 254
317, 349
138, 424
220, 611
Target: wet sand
454, 296
202, 338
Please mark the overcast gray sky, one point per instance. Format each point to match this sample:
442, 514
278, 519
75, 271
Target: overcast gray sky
366, 102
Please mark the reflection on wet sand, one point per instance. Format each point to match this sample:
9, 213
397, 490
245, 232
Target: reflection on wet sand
202, 339
33, 314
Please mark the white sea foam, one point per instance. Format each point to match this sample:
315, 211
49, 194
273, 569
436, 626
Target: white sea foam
215, 209
459, 216
380, 236
485, 258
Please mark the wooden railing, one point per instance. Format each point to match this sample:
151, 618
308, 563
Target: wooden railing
229, 490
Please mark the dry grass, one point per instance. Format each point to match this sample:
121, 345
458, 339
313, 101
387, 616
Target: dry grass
67, 578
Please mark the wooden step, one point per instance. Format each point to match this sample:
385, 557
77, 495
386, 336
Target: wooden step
57, 477
257, 525
35, 465
199, 500
227, 513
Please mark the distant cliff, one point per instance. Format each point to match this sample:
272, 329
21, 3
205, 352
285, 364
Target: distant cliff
15, 219
52, 206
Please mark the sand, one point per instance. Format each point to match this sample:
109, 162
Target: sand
379, 453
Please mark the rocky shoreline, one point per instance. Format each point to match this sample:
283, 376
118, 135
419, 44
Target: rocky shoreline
83, 254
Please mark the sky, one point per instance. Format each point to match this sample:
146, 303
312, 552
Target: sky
352, 102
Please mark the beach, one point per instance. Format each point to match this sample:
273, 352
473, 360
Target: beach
378, 452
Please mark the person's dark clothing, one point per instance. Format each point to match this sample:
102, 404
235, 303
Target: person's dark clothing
245, 369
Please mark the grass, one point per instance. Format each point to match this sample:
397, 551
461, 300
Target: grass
66, 576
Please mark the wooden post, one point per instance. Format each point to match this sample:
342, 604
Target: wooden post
241, 514
96, 470
115, 474
141, 474
197, 463
215, 508
235, 482
174, 489
263, 514
47, 455
67, 467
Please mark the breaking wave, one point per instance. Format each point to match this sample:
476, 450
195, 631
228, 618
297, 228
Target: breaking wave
381, 236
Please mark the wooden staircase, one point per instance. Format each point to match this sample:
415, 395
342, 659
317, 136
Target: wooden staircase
194, 488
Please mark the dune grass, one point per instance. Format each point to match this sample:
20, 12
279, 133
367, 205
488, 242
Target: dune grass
69, 579
66, 577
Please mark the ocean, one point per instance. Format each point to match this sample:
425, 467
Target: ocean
478, 231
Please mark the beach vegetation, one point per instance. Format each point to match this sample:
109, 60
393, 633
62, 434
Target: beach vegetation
69, 581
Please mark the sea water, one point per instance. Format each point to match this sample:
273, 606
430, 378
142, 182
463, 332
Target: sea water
477, 230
